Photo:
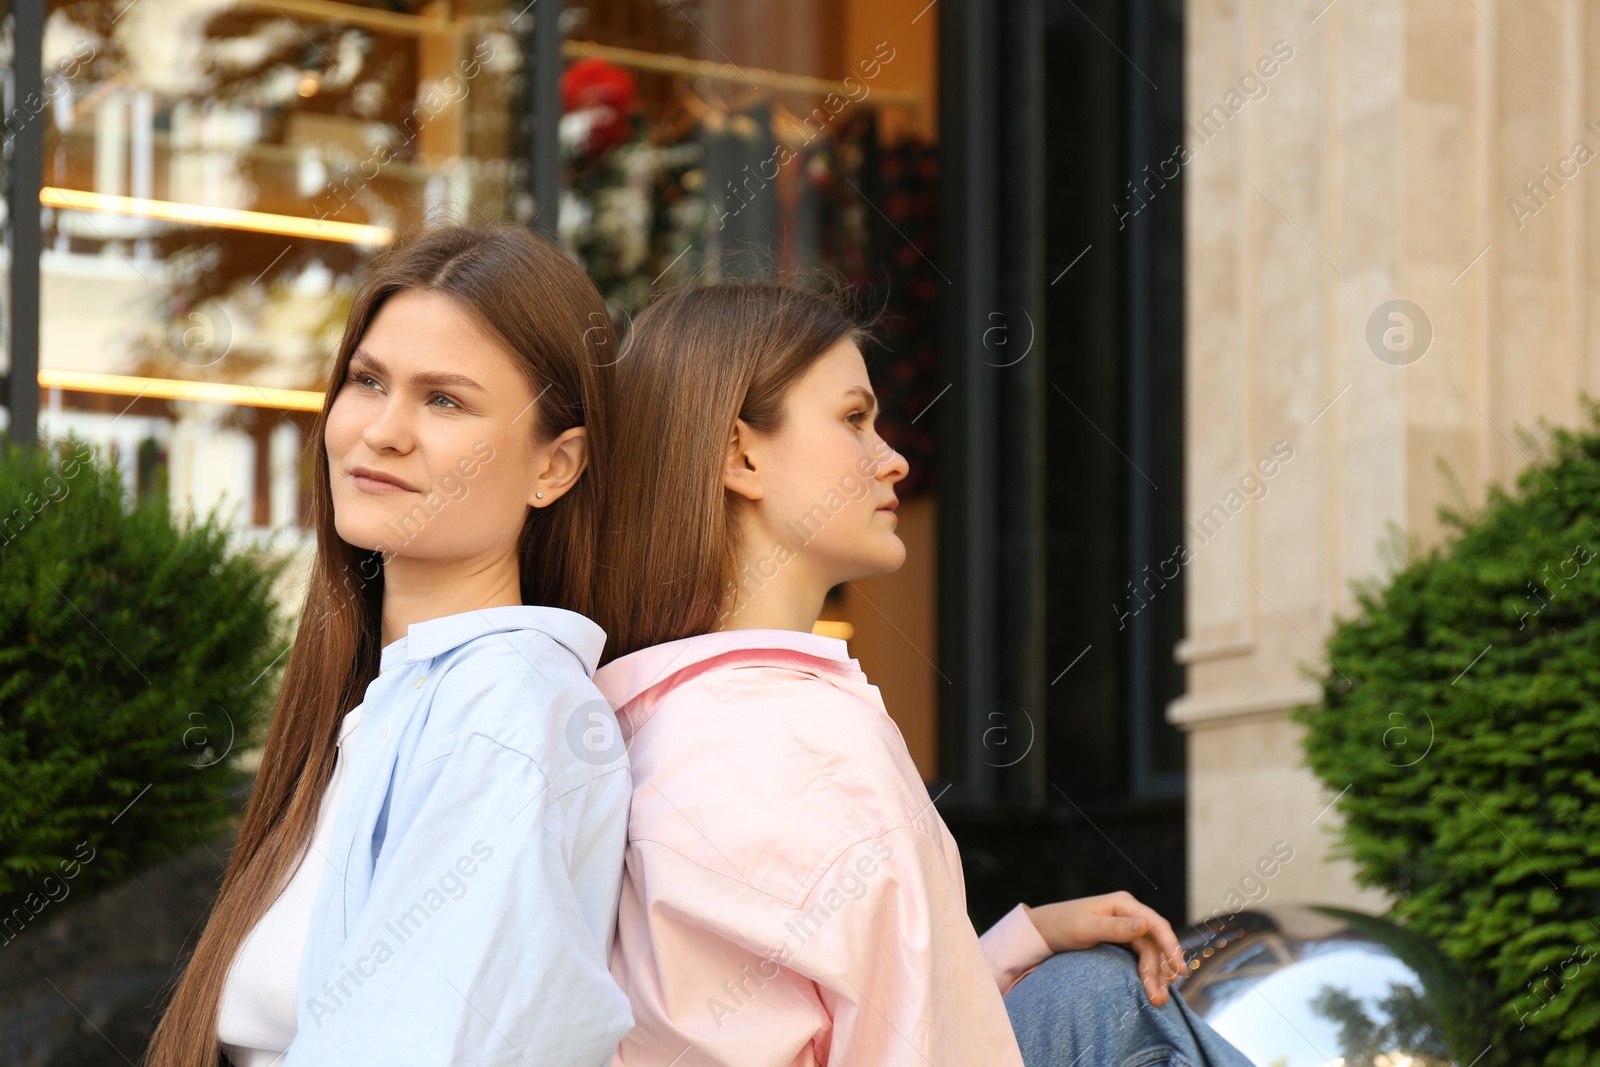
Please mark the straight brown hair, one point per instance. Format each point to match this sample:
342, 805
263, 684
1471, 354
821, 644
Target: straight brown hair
696, 360
547, 314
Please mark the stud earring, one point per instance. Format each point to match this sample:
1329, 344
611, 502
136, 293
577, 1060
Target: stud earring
539, 495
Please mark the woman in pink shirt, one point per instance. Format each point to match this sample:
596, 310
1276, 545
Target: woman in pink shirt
791, 896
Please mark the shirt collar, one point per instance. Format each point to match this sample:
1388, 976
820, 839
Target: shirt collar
576, 633
624, 678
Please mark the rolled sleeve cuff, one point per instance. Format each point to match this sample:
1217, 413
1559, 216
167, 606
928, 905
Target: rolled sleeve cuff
1013, 947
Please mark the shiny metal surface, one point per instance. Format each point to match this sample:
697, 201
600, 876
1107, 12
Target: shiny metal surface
1303, 987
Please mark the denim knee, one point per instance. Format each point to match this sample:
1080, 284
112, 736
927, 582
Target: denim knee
1105, 974
1090, 1005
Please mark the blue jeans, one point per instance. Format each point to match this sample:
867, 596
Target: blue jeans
1089, 1009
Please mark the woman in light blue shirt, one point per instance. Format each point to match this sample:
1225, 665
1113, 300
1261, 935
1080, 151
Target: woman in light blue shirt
430, 861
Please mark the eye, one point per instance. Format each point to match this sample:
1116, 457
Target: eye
360, 377
855, 417
446, 399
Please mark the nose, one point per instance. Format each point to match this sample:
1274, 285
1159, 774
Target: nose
389, 429
892, 467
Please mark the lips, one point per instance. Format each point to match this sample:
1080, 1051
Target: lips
890, 506
378, 481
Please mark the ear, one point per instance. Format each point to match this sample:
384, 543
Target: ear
565, 459
739, 471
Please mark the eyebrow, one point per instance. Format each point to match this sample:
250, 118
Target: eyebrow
866, 396
435, 379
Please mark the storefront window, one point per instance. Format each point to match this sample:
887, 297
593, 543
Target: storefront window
721, 139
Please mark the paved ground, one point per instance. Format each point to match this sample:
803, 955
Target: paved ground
81, 986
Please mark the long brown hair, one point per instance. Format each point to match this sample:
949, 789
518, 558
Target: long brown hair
696, 360
549, 317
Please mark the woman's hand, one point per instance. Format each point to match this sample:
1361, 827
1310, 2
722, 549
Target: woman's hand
1070, 925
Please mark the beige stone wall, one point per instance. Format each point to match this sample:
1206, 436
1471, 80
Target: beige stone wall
1377, 164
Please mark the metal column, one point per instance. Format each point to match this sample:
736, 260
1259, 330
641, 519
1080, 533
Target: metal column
24, 127
544, 85
967, 212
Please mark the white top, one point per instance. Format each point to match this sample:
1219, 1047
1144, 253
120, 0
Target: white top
257, 1019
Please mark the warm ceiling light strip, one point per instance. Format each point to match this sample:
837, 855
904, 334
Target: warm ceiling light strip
728, 72
351, 14
176, 389
225, 217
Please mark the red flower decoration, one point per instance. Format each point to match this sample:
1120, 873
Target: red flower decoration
594, 84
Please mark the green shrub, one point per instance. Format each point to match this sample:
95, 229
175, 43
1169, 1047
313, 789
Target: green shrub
136, 660
1463, 718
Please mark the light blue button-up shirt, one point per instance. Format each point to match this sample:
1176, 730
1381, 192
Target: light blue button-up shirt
469, 895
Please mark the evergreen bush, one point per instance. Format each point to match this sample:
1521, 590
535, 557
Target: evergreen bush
1461, 723
137, 661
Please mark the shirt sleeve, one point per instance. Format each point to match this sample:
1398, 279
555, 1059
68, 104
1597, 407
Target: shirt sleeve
472, 946
886, 938
1013, 947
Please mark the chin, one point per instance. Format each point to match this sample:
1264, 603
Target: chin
885, 560
365, 532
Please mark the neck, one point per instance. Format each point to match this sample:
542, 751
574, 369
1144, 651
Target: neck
773, 592
416, 590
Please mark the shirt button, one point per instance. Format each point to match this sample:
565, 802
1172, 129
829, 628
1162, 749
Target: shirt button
424, 678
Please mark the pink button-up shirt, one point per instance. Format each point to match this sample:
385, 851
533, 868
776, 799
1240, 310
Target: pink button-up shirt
791, 897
